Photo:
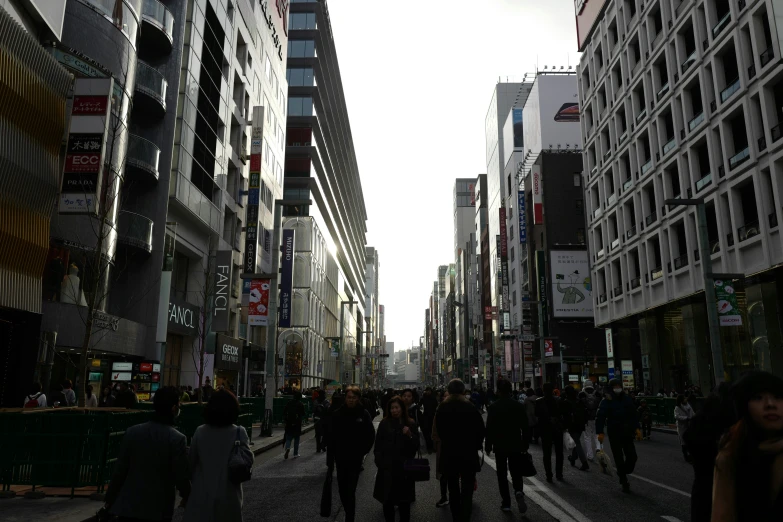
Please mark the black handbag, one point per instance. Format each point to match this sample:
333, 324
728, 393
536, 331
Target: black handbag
239, 469
326, 495
417, 469
528, 469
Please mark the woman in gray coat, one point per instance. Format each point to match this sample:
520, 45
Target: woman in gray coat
683, 413
214, 498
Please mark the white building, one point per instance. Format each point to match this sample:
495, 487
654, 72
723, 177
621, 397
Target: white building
683, 100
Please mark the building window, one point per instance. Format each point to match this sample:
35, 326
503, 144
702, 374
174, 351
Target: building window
513, 275
577, 180
173, 360
580, 235
514, 298
300, 77
301, 49
579, 204
301, 21
300, 106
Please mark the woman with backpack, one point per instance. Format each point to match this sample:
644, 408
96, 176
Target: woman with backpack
36, 399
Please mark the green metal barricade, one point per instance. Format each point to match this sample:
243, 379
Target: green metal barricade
258, 406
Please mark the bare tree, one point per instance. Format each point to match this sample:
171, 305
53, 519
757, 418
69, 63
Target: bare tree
205, 295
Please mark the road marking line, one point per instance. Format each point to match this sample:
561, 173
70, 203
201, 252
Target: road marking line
534, 495
576, 514
671, 519
664, 486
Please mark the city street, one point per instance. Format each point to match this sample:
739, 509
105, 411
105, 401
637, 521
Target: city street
290, 490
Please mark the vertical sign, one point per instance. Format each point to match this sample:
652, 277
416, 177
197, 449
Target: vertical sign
503, 234
286, 278
728, 309
626, 365
549, 348
538, 195
253, 192
522, 217
609, 344
86, 151
220, 311
258, 305
541, 272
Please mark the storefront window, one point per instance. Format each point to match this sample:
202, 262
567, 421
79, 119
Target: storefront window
68, 275
173, 360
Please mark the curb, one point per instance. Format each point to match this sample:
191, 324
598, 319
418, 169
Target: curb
266, 445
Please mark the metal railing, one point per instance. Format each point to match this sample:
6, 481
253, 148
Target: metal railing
721, 25
651, 218
615, 244
151, 82
669, 146
194, 200
641, 115
143, 154
680, 262
740, 157
777, 132
602, 298
690, 60
600, 253
748, 231
767, 56
636, 282
158, 15
656, 273
647, 166
611, 200
630, 232
134, 230
618, 291
696, 121
730, 90
627, 184
773, 220
663, 90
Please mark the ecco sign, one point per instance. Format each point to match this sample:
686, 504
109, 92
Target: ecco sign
229, 353
183, 317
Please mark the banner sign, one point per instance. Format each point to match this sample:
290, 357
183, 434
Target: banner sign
253, 192
286, 278
541, 273
183, 317
538, 195
258, 303
86, 151
221, 317
334, 347
627, 368
522, 217
572, 289
549, 348
728, 310
609, 344
228, 353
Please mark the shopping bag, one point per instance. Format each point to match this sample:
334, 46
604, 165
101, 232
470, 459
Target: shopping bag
417, 469
568, 441
603, 460
528, 469
326, 495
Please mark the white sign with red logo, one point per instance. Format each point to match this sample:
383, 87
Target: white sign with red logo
538, 195
258, 308
549, 348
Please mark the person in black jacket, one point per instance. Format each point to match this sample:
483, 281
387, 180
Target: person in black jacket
351, 438
508, 434
319, 419
618, 413
550, 427
395, 442
461, 431
577, 418
429, 403
293, 414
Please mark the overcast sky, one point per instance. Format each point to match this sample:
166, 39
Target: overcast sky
418, 78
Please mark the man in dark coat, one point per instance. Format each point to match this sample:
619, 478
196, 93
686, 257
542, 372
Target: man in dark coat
351, 436
429, 403
618, 413
461, 431
293, 414
550, 428
508, 434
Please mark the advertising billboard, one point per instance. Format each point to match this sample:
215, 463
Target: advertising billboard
522, 217
220, 311
258, 302
286, 278
253, 192
572, 291
587, 13
551, 115
538, 194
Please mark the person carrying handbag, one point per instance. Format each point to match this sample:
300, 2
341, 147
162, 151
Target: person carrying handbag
396, 441
218, 450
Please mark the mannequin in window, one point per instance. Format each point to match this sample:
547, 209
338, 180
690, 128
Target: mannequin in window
70, 289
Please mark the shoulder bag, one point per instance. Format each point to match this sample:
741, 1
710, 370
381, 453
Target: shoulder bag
417, 469
239, 469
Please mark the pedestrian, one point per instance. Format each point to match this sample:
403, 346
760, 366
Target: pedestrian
508, 434
618, 414
350, 438
395, 442
293, 414
57, 397
152, 462
70, 395
91, 401
749, 468
319, 420
429, 404
702, 438
530, 411
442, 479
258, 392
36, 398
588, 436
409, 396
185, 397
550, 427
683, 413
125, 397
461, 431
645, 417
214, 496
576, 417
107, 398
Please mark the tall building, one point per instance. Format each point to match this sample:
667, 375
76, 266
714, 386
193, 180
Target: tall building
483, 326
683, 103
371, 306
33, 118
464, 225
320, 165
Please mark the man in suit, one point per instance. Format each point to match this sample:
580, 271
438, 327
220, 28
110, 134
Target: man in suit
461, 431
508, 434
152, 463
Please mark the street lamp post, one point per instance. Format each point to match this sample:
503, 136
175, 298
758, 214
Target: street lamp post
709, 286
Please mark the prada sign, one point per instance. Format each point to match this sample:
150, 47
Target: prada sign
183, 317
228, 353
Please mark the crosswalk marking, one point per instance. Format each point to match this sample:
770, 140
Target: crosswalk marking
664, 486
671, 519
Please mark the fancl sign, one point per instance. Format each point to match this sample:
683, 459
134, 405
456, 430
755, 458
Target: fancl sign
220, 309
183, 317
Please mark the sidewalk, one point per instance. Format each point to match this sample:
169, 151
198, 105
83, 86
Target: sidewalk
57, 506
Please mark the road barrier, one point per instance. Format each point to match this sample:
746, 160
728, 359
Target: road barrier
662, 408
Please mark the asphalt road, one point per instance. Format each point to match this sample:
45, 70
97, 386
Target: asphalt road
290, 490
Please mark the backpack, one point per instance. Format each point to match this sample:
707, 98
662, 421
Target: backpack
592, 406
292, 415
579, 415
32, 402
